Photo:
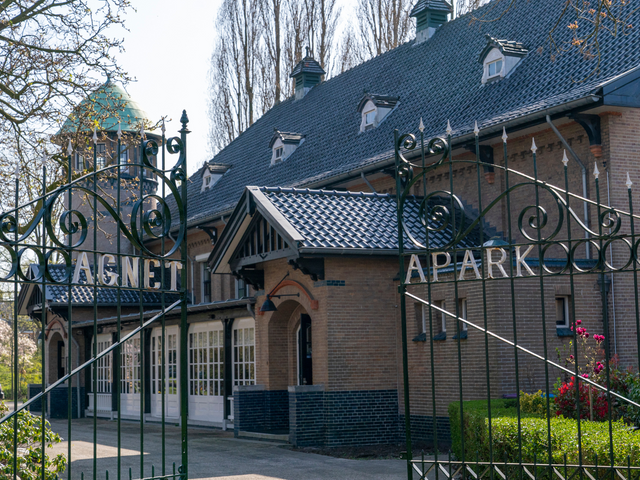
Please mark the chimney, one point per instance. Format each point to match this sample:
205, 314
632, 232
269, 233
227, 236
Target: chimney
307, 74
430, 14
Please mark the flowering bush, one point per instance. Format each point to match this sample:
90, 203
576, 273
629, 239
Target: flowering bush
593, 402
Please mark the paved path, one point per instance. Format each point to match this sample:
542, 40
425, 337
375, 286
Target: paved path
213, 454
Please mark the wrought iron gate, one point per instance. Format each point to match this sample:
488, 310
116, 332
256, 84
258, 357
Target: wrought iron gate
519, 290
59, 256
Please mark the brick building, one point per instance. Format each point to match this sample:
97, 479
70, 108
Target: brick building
292, 233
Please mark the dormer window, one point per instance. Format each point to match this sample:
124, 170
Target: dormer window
211, 174
278, 154
374, 109
499, 58
283, 144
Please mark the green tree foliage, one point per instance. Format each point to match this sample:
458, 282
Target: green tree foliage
29, 456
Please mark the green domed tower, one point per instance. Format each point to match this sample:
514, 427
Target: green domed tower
92, 131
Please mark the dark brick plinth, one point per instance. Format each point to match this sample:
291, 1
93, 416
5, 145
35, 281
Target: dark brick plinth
258, 410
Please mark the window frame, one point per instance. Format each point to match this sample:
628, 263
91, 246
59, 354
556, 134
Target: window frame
498, 71
79, 162
278, 153
566, 299
241, 348
205, 283
101, 155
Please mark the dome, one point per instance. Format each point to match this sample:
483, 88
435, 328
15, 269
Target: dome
109, 96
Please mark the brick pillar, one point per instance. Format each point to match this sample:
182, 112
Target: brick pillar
306, 415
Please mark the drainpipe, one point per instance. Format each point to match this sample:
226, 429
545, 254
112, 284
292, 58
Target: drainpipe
584, 179
613, 290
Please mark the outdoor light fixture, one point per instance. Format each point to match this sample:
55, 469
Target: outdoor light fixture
268, 305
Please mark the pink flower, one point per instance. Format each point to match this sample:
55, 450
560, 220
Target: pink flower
578, 322
570, 357
585, 375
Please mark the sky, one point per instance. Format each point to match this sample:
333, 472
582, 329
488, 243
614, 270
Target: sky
168, 47
168, 50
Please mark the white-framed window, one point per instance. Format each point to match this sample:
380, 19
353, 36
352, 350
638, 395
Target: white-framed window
244, 352
443, 317
279, 152
494, 68
124, 155
103, 365
562, 311
205, 283
462, 312
206, 363
130, 366
369, 119
101, 159
439, 320
79, 161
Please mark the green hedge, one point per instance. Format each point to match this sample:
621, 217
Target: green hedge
564, 436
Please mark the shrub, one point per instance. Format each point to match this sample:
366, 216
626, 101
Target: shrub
535, 436
593, 402
535, 403
29, 461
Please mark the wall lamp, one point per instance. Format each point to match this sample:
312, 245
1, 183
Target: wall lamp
268, 305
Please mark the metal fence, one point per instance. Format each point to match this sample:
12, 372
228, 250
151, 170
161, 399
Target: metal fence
52, 248
539, 381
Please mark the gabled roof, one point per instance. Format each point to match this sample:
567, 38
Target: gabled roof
323, 222
507, 47
286, 137
438, 5
382, 101
438, 80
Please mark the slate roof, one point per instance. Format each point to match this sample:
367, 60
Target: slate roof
507, 47
438, 80
59, 294
439, 5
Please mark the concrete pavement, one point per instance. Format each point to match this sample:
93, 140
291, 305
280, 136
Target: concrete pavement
213, 454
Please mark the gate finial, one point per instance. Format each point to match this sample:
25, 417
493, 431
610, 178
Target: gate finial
534, 148
69, 149
629, 182
119, 132
596, 172
421, 126
476, 130
504, 135
95, 136
565, 159
449, 130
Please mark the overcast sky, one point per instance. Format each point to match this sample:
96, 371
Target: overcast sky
168, 49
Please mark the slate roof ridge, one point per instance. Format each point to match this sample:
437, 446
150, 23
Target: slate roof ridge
322, 192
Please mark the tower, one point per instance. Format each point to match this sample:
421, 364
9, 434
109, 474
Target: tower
108, 117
